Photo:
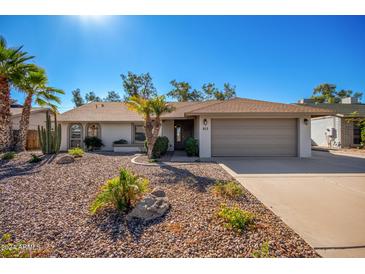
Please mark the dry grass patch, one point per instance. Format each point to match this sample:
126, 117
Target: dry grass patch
227, 189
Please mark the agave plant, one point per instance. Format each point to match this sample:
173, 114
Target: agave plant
120, 192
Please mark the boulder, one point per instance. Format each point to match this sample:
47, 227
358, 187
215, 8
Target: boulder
152, 206
67, 159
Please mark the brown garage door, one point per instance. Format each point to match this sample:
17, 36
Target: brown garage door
254, 137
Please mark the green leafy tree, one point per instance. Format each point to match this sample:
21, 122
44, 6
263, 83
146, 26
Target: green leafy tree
35, 86
183, 93
112, 97
213, 93
359, 122
151, 109
91, 97
13, 67
77, 98
347, 93
327, 93
138, 85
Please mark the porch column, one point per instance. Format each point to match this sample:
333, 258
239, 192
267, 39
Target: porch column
205, 137
304, 137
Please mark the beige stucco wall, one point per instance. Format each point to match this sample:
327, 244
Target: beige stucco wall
304, 137
111, 132
37, 118
204, 137
168, 131
64, 137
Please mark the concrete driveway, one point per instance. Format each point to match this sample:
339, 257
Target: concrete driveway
322, 198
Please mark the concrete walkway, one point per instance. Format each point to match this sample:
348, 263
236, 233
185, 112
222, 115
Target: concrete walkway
321, 198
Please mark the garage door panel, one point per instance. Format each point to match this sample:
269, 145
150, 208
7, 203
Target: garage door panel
254, 137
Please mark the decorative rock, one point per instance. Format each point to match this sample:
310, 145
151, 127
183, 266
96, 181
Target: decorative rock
67, 159
151, 207
158, 192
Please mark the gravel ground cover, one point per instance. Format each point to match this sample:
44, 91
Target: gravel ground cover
48, 204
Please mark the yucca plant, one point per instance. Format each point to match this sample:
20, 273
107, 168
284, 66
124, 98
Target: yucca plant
120, 192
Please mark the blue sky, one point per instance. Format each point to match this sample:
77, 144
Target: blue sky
274, 58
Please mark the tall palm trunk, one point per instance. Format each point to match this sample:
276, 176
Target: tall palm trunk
148, 126
152, 135
5, 125
24, 123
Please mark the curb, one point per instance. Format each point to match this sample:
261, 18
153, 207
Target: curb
160, 164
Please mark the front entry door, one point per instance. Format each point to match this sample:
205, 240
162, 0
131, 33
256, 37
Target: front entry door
183, 130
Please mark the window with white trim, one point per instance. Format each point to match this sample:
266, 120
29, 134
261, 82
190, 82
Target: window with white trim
139, 134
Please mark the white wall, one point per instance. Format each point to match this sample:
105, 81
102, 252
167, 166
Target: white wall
304, 137
111, 132
319, 129
64, 136
196, 127
204, 137
168, 131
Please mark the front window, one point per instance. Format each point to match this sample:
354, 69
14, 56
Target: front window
75, 135
93, 130
139, 134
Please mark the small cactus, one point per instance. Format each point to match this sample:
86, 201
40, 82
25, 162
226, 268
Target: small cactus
50, 140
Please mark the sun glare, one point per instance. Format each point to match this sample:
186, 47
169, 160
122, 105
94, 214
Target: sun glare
93, 19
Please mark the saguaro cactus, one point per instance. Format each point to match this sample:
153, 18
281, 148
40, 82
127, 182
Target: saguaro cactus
50, 140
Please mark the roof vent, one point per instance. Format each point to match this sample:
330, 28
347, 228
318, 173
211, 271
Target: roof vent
349, 100
306, 101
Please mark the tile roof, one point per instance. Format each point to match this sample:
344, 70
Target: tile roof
119, 112
103, 111
243, 105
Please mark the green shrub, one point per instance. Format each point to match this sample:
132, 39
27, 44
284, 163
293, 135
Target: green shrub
120, 192
8, 155
235, 217
93, 143
35, 159
160, 147
263, 252
192, 147
229, 189
76, 152
362, 135
120, 142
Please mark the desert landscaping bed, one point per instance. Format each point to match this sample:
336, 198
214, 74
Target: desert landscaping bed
47, 204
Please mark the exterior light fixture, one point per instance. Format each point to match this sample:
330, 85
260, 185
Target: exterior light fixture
306, 122
205, 122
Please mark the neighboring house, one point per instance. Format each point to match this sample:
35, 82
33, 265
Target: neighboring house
336, 130
37, 117
237, 127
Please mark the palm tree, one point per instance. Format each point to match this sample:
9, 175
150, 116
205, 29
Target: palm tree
151, 109
35, 87
12, 68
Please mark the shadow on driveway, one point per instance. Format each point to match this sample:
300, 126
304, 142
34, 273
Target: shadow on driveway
320, 162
